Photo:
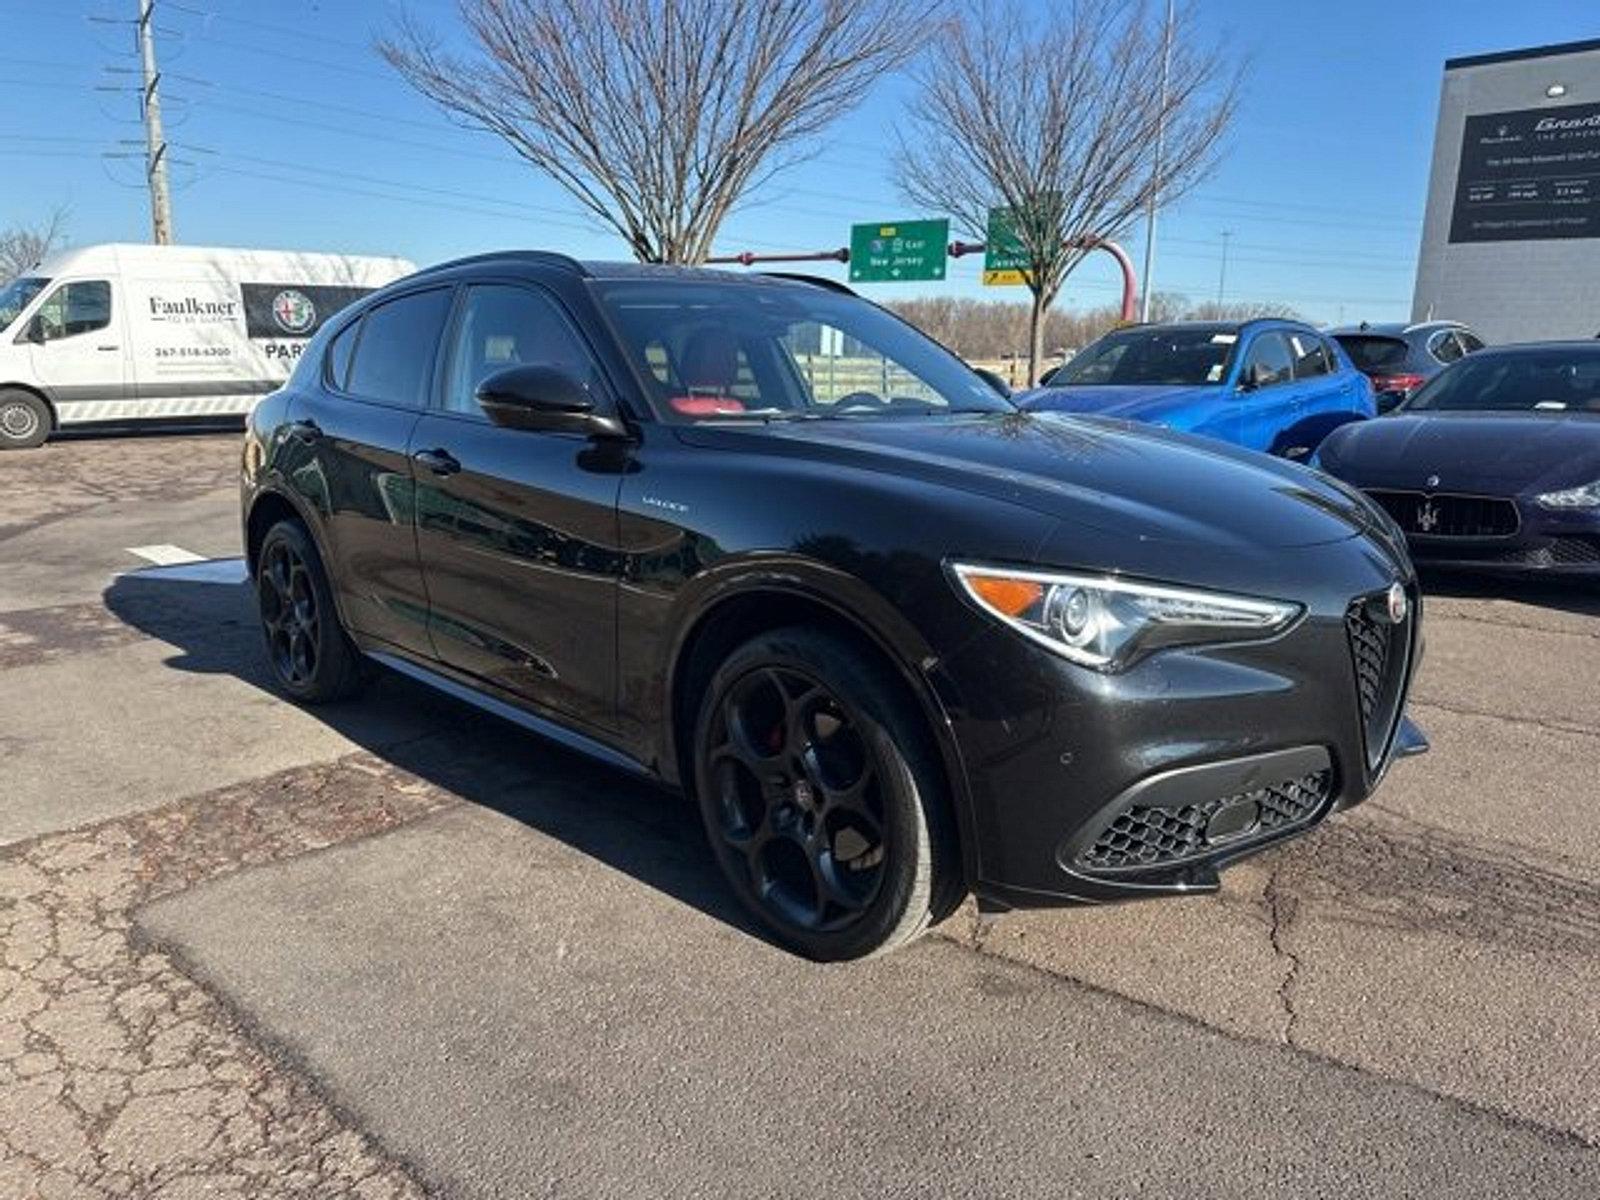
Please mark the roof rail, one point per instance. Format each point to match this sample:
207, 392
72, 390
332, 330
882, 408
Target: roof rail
548, 258
832, 285
1416, 325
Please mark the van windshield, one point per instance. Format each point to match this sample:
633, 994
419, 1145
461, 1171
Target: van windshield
17, 295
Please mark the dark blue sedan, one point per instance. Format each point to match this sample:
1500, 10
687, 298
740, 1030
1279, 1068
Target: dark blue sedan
1493, 464
1271, 384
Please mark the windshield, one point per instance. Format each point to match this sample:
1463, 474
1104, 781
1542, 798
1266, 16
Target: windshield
1185, 357
718, 350
1373, 353
1557, 380
17, 295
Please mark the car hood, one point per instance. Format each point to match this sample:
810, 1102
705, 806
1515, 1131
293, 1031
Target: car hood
1131, 402
1501, 452
1131, 480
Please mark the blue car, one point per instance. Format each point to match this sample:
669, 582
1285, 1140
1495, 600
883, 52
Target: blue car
1272, 385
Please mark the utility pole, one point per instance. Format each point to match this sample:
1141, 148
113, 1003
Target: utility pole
155, 143
1222, 275
1148, 279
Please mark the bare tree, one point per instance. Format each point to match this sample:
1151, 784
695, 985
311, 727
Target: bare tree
660, 115
1057, 120
23, 247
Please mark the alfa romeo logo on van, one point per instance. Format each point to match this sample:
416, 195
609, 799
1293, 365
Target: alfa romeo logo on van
293, 311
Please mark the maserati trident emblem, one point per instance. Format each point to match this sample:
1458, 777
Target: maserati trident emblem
1433, 481
1427, 517
1397, 603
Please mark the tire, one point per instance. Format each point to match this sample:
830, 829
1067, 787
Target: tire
24, 420
822, 796
312, 659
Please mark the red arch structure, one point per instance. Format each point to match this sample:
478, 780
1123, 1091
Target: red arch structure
1130, 282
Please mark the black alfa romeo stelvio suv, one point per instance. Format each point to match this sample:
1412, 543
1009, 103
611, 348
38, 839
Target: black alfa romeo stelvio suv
757, 539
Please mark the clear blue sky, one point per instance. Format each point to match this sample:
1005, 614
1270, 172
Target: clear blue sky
290, 132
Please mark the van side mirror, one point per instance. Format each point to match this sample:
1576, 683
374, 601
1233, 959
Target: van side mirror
1253, 377
34, 332
545, 399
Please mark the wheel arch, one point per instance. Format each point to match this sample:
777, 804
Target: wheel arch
40, 395
1310, 430
267, 507
757, 604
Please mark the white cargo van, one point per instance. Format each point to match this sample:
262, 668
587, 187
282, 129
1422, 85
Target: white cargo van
121, 333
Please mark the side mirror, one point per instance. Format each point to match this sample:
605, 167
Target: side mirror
993, 380
1044, 380
546, 399
1253, 377
35, 332
1387, 402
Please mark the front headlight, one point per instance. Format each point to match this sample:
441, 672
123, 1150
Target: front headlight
1587, 496
1107, 623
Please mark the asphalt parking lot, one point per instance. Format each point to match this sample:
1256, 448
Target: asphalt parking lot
398, 948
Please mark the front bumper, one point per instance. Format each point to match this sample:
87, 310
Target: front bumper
1087, 788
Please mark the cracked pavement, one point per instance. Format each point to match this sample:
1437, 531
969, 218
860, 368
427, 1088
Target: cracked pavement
396, 948
118, 1075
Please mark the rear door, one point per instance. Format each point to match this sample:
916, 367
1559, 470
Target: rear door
353, 462
517, 529
79, 350
1266, 407
1319, 391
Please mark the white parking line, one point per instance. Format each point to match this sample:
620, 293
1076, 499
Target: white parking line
166, 555
207, 570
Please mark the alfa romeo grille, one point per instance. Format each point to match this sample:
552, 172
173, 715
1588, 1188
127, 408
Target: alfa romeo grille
1449, 515
1139, 836
1378, 654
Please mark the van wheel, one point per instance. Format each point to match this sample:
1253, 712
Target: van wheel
822, 797
24, 420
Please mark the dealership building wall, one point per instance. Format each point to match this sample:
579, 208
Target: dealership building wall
1511, 235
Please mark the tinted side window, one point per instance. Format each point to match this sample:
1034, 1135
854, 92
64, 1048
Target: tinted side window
75, 308
1269, 351
1310, 355
394, 356
1443, 346
504, 326
337, 369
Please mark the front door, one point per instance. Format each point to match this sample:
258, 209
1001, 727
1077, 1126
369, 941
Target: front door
1266, 393
517, 529
352, 462
80, 353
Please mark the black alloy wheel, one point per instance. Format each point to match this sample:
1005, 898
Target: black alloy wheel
819, 798
311, 656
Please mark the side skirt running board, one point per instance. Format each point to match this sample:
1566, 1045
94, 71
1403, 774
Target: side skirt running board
560, 734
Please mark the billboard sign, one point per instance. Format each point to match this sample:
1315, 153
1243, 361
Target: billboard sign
1527, 175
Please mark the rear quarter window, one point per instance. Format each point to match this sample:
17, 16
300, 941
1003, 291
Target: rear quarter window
336, 371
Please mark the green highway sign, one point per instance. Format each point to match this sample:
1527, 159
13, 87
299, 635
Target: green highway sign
895, 251
1004, 260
